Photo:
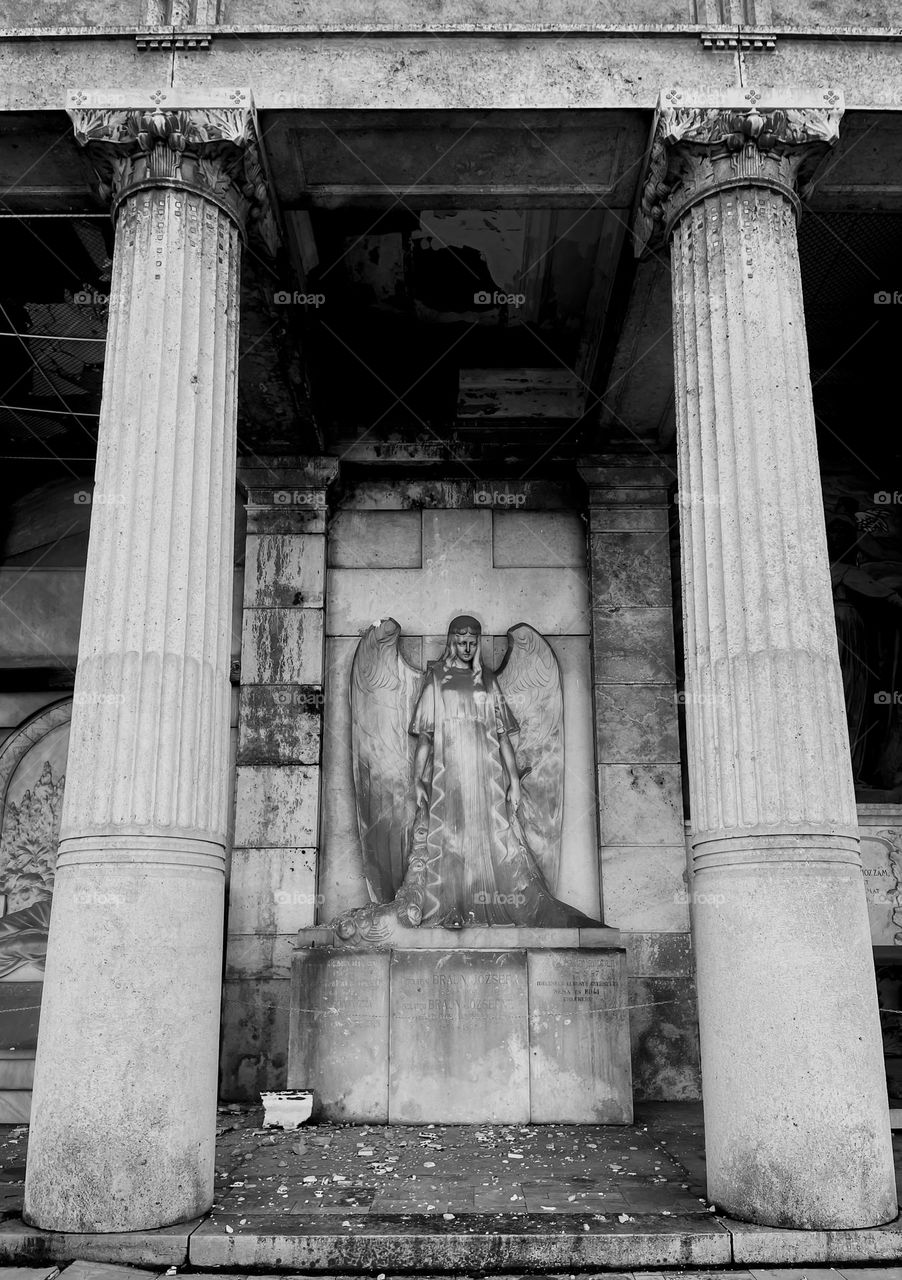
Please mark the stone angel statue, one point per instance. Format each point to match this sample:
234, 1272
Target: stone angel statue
458, 773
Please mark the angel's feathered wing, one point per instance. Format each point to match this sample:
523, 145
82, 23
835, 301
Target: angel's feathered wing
530, 680
384, 688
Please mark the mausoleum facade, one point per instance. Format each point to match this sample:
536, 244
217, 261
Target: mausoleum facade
451, 583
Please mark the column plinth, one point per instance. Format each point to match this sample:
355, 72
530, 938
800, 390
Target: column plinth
796, 1116
123, 1125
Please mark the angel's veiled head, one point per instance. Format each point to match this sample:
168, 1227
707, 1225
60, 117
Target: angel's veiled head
463, 642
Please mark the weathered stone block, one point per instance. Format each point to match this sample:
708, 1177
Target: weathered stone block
658, 955
282, 646
609, 519
636, 722
277, 805
645, 887
254, 1038
633, 645
541, 539
280, 724
664, 1035
641, 804
284, 569
376, 540
259, 955
630, 569
272, 890
459, 1037
340, 1032
579, 1069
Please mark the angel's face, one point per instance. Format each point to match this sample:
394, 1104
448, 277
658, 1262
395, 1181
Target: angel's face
463, 646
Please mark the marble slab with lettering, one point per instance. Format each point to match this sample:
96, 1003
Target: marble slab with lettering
338, 1041
579, 1038
459, 1037
880, 827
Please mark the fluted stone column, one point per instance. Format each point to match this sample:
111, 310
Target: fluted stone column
796, 1117
123, 1125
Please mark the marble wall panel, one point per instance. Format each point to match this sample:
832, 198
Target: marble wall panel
280, 724
284, 571
543, 539
633, 645
282, 646
469, 1012
641, 804
339, 1042
272, 890
645, 887
254, 1056
376, 540
664, 1035
579, 1038
637, 723
277, 805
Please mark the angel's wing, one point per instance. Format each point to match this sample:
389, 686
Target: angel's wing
384, 689
530, 680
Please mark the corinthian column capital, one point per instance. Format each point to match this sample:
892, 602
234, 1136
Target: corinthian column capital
746, 140
210, 150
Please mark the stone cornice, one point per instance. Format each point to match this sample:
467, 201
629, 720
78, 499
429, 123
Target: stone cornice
212, 150
749, 142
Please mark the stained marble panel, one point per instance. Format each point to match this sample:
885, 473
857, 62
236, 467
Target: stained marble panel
645, 887
579, 1038
633, 645
630, 569
468, 1012
636, 722
664, 1035
284, 570
641, 804
282, 646
277, 805
339, 1041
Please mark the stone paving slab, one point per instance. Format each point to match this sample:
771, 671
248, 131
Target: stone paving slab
83, 1270
365, 1243
165, 1247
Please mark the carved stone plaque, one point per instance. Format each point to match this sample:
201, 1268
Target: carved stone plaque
338, 1044
459, 1037
579, 1038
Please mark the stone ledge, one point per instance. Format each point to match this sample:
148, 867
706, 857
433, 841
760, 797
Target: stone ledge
496, 938
786, 1247
167, 1246
474, 1242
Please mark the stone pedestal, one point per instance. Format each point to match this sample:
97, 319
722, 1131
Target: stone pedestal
462, 1035
796, 1119
125, 1083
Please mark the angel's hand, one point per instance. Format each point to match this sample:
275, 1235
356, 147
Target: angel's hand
422, 792
513, 794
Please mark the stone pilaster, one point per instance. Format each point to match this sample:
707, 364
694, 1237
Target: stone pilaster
640, 813
123, 1125
796, 1116
274, 869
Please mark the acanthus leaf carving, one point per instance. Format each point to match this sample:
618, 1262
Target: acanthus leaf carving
213, 151
698, 150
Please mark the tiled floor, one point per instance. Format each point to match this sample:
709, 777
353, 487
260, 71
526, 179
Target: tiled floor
655, 1166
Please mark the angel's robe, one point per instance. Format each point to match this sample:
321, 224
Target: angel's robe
480, 870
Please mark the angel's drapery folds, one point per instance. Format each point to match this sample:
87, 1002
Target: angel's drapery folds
486, 863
